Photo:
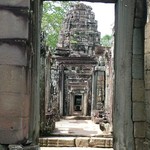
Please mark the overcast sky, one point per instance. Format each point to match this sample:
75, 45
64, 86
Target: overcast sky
104, 14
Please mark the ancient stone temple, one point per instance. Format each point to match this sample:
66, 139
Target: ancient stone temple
79, 32
80, 64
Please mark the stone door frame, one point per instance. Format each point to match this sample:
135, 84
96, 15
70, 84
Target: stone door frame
123, 114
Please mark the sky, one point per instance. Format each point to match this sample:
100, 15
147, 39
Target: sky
104, 14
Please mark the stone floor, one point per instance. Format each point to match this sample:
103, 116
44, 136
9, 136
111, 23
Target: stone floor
77, 133
73, 127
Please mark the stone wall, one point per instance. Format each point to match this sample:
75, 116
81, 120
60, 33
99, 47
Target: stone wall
147, 76
14, 82
129, 101
138, 98
19, 65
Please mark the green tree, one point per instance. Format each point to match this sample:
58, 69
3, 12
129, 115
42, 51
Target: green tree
106, 40
52, 19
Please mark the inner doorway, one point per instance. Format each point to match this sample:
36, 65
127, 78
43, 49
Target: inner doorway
78, 103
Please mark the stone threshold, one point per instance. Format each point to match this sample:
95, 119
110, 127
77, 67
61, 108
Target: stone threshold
67, 135
97, 142
76, 117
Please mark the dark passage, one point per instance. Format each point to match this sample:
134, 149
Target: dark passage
78, 103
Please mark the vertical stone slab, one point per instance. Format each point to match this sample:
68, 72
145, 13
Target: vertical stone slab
122, 111
35, 101
94, 90
61, 102
147, 77
138, 97
47, 83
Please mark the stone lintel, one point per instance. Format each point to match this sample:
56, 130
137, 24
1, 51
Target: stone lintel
103, 1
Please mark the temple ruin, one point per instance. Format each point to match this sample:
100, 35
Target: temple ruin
20, 71
80, 64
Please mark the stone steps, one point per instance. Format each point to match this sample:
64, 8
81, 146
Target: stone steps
97, 142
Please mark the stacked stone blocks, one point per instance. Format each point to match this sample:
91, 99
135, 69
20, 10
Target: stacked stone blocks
97, 142
138, 95
79, 31
14, 81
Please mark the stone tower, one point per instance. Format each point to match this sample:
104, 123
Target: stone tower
79, 32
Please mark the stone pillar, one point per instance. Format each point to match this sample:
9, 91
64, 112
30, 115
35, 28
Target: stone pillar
85, 103
47, 84
71, 103
14, 71
138, 97
147, 77
35, 27
94, 91
107, 89
122, 106
61, 102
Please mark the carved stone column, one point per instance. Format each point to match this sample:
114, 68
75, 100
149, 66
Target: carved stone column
61, 92
94, 90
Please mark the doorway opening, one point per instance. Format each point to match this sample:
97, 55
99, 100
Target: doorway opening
78, 103
79, 66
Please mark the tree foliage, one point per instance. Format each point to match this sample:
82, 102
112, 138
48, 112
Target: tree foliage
106, 40
53, 16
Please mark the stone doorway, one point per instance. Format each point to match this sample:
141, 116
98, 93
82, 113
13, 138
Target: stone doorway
129, 69
78, 103
130, 22
77, 76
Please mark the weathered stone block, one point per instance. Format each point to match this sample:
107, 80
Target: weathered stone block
138, 41
16, 3
13, 79
31, 147
82, 142
43, 142
13, 26
101, 142
13, 55
147, 46
147, 61
147, 97
147, 80
139, 129
15, 147
67, 142
51, 142
147, 31
138, 111
13, 129
139, 23
138, 90
139, 144
14, 105
146, 145
140, 11
138, 67
61, 142
148, 131
147, 105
